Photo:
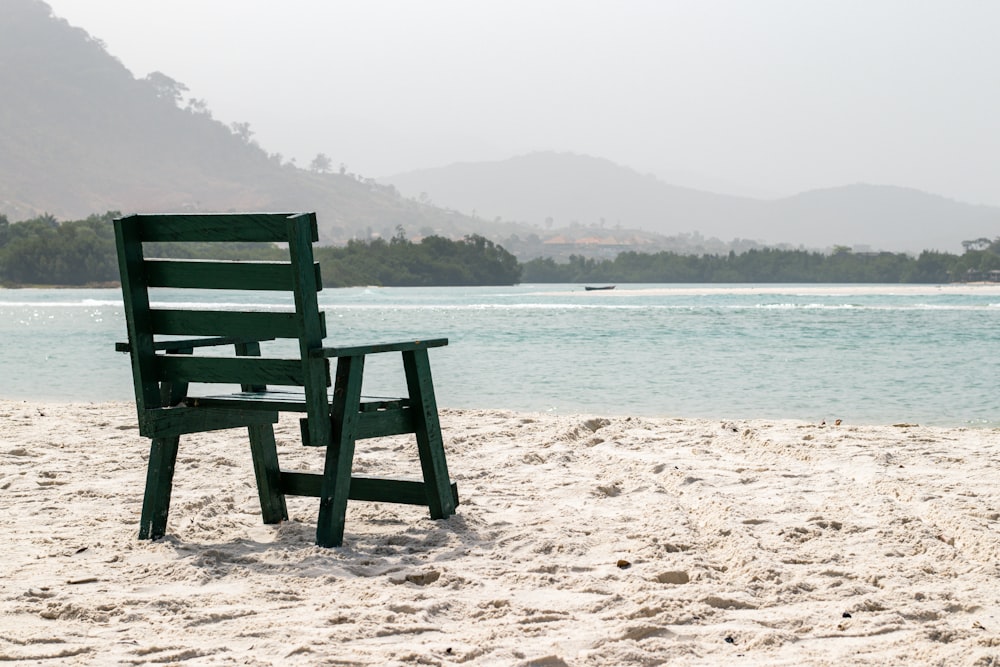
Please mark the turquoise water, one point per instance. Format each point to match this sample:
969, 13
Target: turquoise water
863, 354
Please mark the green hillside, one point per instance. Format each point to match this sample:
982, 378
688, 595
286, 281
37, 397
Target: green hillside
79, 134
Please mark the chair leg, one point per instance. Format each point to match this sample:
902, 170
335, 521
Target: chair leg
265, 468
340, 452
159, 478
430, 445
264, 453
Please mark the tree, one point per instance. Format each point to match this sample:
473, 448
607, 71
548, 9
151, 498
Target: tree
198, 107
434, 261
930, 267
165, 87
321, 164
981, 243
243, 131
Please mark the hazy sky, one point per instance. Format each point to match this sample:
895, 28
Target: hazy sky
759, 97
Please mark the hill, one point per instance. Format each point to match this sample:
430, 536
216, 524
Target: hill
883, 217
79, 134
560, 189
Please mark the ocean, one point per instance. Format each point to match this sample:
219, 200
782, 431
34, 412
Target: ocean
864, 354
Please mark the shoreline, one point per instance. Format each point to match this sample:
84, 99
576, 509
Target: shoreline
73, 403
824, 289
581, 539
815, 289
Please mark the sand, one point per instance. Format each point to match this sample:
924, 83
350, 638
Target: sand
580, 540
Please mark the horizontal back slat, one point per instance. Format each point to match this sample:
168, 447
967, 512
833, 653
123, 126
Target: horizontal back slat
227, 323
233, 370
216, 227
157, 360
200, 274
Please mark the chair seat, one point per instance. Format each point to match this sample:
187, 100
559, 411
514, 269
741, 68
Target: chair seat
284, 401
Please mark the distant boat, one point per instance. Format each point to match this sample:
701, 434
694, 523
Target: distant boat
594, 288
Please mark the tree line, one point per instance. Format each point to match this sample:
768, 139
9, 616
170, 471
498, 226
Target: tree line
767, 265
434, 261
44, 251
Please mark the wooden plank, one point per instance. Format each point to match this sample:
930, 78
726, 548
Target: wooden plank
384, 423
234, 323
232, 275
264, 453
368, 489
301, 483
172, 393
376, 348
267, 400
234, 370
417, 367
393, 491
218, 227
136, 302
377, 404
250, 350
340, 454
396, 420
311, 330
191, 343
265, 467
159, 480
170, 422
289, 401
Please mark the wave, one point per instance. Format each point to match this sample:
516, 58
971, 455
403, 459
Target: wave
513, 307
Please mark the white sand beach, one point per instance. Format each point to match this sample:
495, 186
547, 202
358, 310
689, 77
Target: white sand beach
580, 540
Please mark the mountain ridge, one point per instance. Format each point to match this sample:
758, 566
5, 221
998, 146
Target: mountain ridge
564, 188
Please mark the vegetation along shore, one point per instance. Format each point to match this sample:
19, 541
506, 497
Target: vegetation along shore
43, 251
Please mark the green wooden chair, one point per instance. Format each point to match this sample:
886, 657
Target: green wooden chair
162, 341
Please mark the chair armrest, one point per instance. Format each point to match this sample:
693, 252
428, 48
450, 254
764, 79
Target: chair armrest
361, 350
189, 343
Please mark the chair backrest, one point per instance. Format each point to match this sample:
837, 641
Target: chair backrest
157, 364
